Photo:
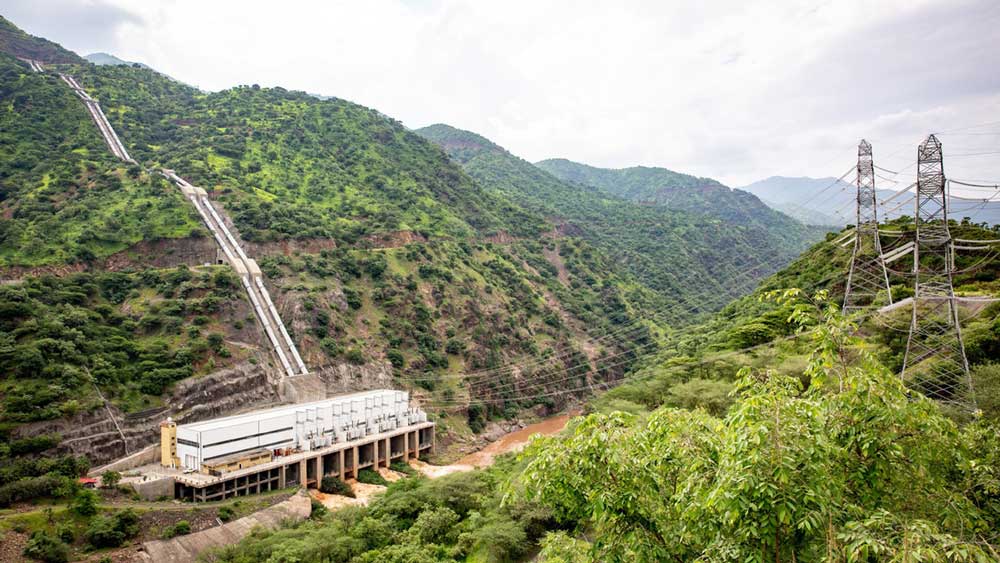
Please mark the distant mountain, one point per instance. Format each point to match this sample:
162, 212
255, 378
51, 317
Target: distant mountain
638, 183
659, 186
15, 41
811, 200
109, 59
807, 216
689, 249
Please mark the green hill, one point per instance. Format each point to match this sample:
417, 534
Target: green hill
64, 198
379, 249
690, 255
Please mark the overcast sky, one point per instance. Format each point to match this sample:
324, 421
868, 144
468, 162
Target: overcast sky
737, 91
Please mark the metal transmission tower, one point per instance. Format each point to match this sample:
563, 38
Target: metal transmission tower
868, 275
935, 361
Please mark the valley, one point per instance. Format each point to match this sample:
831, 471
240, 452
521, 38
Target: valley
215, 303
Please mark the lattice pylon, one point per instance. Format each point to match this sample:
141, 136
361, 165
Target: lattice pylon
867, 276
935, 361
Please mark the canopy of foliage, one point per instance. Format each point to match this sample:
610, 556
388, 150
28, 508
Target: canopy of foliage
840, 462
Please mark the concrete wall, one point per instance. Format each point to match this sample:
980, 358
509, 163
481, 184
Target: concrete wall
157, 488
184, 549
147, 455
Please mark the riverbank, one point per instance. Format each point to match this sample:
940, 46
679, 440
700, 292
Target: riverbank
508, 443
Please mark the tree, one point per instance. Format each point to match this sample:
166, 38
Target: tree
85, 502
110, 479
434, 526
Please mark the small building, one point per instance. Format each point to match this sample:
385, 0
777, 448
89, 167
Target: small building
87, 482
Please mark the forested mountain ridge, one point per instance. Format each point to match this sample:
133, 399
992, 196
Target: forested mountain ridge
700, 259
660, 186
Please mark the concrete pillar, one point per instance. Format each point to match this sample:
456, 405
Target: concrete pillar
303, 475
431, 432
356, 461
319, 469
340, 468
406, 446
388, 452
281, 478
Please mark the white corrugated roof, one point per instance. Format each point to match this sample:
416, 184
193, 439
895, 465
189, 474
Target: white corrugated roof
278, 411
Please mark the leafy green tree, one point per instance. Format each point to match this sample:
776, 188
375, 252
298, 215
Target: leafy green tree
110, 479
434, 526
840, 462
85, 502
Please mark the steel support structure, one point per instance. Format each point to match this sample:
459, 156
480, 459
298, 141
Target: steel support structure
867, 276
935, 361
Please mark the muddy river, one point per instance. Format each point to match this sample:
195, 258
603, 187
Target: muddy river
515, 441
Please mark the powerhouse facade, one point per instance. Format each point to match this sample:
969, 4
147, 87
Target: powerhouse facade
240, 441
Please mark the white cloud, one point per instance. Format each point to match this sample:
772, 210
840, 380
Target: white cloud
736, 91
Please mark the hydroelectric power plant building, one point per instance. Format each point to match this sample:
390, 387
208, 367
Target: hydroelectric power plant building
294, 444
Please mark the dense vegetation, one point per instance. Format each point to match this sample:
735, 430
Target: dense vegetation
702, 255
437, 310
699, 366
838, 462
459, 517
63, 197
288, 165
132, 335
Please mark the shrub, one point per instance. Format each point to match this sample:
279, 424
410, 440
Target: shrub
396, 358
44, 547
355, 356
112, 531
371, 477
215, 340
332, 485
318, 510
226, 514
504, 540
85, 503
34, 487
455, 346
103, 533
402, 467
181, 528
